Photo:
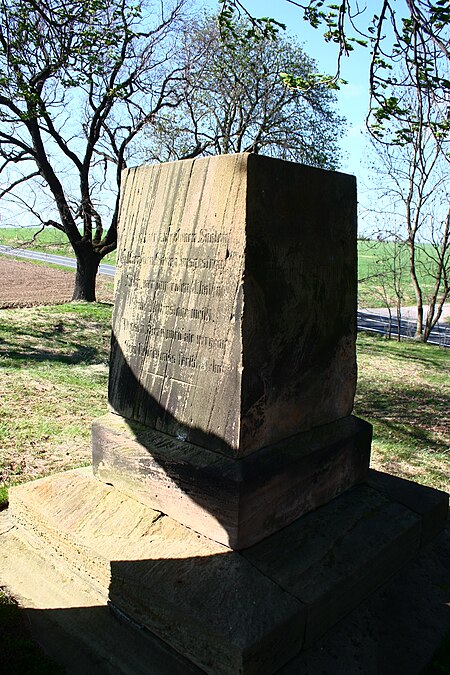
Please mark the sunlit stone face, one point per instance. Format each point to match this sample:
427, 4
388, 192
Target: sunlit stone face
235, 300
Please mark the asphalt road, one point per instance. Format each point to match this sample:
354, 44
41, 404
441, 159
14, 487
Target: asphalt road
62, 260
376, 323
367, 321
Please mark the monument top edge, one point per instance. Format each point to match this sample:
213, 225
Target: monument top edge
247, 157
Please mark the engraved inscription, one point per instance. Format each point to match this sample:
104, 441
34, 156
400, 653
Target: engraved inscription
179, 271
169, 326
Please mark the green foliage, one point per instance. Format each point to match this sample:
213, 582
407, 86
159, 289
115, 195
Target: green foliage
407, 51
236, 99
258, 29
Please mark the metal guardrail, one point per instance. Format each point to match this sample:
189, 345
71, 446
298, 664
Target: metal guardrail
377, 323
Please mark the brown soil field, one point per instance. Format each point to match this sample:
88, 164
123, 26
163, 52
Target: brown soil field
25, 284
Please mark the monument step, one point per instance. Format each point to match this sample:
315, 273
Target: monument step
236, 502
71, 621
229, 612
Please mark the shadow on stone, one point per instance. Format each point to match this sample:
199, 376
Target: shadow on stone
250, 611
236, 501
232, 378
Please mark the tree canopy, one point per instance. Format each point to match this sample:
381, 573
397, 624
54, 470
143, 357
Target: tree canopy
409, 46
234, 100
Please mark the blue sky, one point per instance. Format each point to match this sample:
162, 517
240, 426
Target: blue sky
353, 98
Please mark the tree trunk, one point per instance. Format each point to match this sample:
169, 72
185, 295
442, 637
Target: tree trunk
417, 290
87, 268
399, 320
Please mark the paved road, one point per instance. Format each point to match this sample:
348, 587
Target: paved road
376, 323
369, 321
65, 261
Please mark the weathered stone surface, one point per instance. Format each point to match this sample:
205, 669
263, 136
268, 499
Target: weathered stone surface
339, 554
227, 611
235, 502
206, 601
234, 323
395, 632
429, 503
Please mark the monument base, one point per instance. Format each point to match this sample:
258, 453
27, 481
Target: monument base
236, 502
227, 611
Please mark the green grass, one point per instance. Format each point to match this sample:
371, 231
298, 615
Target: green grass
371, 262
53, 382
404, 391
49, 240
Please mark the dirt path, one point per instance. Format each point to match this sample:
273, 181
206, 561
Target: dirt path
24, 284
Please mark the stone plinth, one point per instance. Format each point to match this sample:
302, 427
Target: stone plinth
233, 348
235, 502
228, 612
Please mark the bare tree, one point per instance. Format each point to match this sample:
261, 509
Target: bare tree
386, 276
79, 80
235, 101
414, 183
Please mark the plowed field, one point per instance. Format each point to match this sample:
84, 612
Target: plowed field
25, 284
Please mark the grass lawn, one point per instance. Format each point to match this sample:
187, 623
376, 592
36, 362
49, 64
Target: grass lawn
404, 391
371, 262
53, 382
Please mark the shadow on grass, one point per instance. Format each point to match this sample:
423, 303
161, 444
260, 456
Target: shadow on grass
423, 354
413, 416
77, 355
18, 347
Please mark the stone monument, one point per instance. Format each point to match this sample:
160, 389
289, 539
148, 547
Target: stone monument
232, 512
233, 366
